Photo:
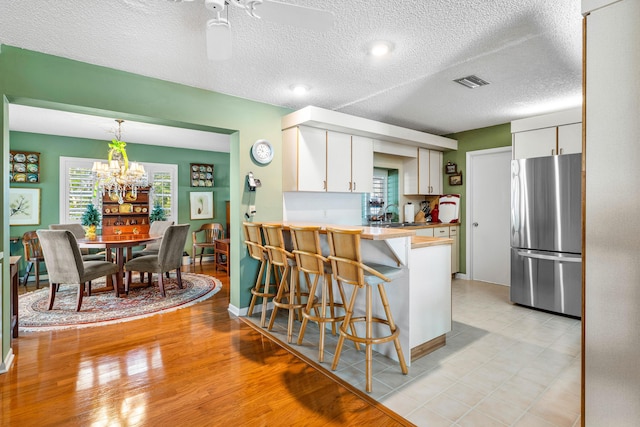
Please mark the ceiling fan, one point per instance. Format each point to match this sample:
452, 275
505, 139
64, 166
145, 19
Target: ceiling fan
218, 29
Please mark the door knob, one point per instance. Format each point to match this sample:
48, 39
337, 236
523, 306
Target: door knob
475, 224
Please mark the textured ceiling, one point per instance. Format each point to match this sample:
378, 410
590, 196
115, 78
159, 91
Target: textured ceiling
530, 51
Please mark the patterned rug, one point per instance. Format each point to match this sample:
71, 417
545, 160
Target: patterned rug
104, 308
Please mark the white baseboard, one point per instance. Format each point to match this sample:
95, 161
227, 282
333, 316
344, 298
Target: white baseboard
8, 361
243, 311
462, 276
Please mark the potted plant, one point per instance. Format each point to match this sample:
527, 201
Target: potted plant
157, 214
91, 220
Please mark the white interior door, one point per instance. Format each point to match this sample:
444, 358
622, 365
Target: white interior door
488, 196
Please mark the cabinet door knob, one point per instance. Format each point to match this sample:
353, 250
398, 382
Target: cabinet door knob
475, 224
354, 186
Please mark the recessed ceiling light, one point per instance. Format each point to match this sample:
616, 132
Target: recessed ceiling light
300, 89
380, 48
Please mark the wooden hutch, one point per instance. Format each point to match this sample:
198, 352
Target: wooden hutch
130, 217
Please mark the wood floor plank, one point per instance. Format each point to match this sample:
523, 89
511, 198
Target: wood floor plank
198, 366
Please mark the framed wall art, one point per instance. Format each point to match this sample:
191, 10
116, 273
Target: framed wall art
201, 204
24, 167
451, 168
201, 175
455, 179
24, 206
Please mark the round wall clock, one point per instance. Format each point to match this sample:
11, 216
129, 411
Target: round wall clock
262, 151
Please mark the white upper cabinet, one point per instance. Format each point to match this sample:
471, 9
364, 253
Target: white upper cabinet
423, 174
534, 143
319, 160
570, 138
435, 172
338, 162
548, 135
362, 164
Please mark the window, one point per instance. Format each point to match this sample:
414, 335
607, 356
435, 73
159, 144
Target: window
77, 191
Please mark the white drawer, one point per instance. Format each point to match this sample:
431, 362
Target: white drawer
453, 231
441, 232
428, 232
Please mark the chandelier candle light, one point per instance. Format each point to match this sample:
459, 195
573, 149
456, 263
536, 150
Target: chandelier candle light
118, 175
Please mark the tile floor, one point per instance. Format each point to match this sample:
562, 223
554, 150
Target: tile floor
503, 365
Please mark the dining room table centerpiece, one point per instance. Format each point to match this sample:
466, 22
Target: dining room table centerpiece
91, 220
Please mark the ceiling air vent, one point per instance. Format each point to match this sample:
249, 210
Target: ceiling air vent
471, 82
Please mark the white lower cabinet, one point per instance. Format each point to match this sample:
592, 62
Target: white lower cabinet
448, 231
455, 255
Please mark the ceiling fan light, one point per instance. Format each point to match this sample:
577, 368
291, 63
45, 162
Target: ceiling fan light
218, 39
380, 48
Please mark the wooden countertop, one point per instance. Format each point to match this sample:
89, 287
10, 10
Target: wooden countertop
368, 233
424, 241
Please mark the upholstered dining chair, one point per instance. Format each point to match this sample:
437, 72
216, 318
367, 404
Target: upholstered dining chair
78, 232
169, 258
212, 231
156, 227
64, 264
32, 255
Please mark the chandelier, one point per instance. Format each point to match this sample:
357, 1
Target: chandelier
118, 176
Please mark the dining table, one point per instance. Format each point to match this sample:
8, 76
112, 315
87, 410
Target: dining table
118, 243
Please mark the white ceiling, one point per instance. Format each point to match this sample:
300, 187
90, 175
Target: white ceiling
530, 51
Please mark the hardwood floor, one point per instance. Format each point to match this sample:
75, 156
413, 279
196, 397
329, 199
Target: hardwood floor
199, 366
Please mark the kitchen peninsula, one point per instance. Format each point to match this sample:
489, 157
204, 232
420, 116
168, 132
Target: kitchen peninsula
420, 299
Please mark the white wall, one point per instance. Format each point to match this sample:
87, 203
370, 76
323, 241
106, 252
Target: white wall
612, 218
326, 208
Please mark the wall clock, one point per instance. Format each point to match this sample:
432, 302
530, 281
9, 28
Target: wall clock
262, 151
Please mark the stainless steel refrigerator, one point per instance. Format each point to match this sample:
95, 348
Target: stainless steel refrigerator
546, 239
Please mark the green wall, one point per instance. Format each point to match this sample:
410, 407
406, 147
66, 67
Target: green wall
472, 140
51, 148
33, 78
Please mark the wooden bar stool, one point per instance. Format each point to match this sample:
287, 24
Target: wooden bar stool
347, 266
309, 259
253, 240
289, 297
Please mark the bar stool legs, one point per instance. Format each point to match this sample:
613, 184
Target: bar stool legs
369, 340
326, 301
253, 236
289, 297
262, 290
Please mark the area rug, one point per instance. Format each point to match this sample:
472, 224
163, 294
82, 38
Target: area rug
105, 308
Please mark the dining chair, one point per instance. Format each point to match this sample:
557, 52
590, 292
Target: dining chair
169, 258
78, 232
65, 265
156, 227
212, 231
32, 255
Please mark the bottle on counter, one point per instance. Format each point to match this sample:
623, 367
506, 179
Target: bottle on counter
434, 214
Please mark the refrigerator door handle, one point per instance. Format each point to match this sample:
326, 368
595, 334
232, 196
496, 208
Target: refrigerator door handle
565, 258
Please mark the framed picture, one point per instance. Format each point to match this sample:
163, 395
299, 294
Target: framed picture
455, 179
201, 175
201, 204
451, 168
24, 206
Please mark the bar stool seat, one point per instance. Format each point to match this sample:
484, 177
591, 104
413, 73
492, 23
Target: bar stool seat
262, 289
290, 296
346, 262
308, 254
